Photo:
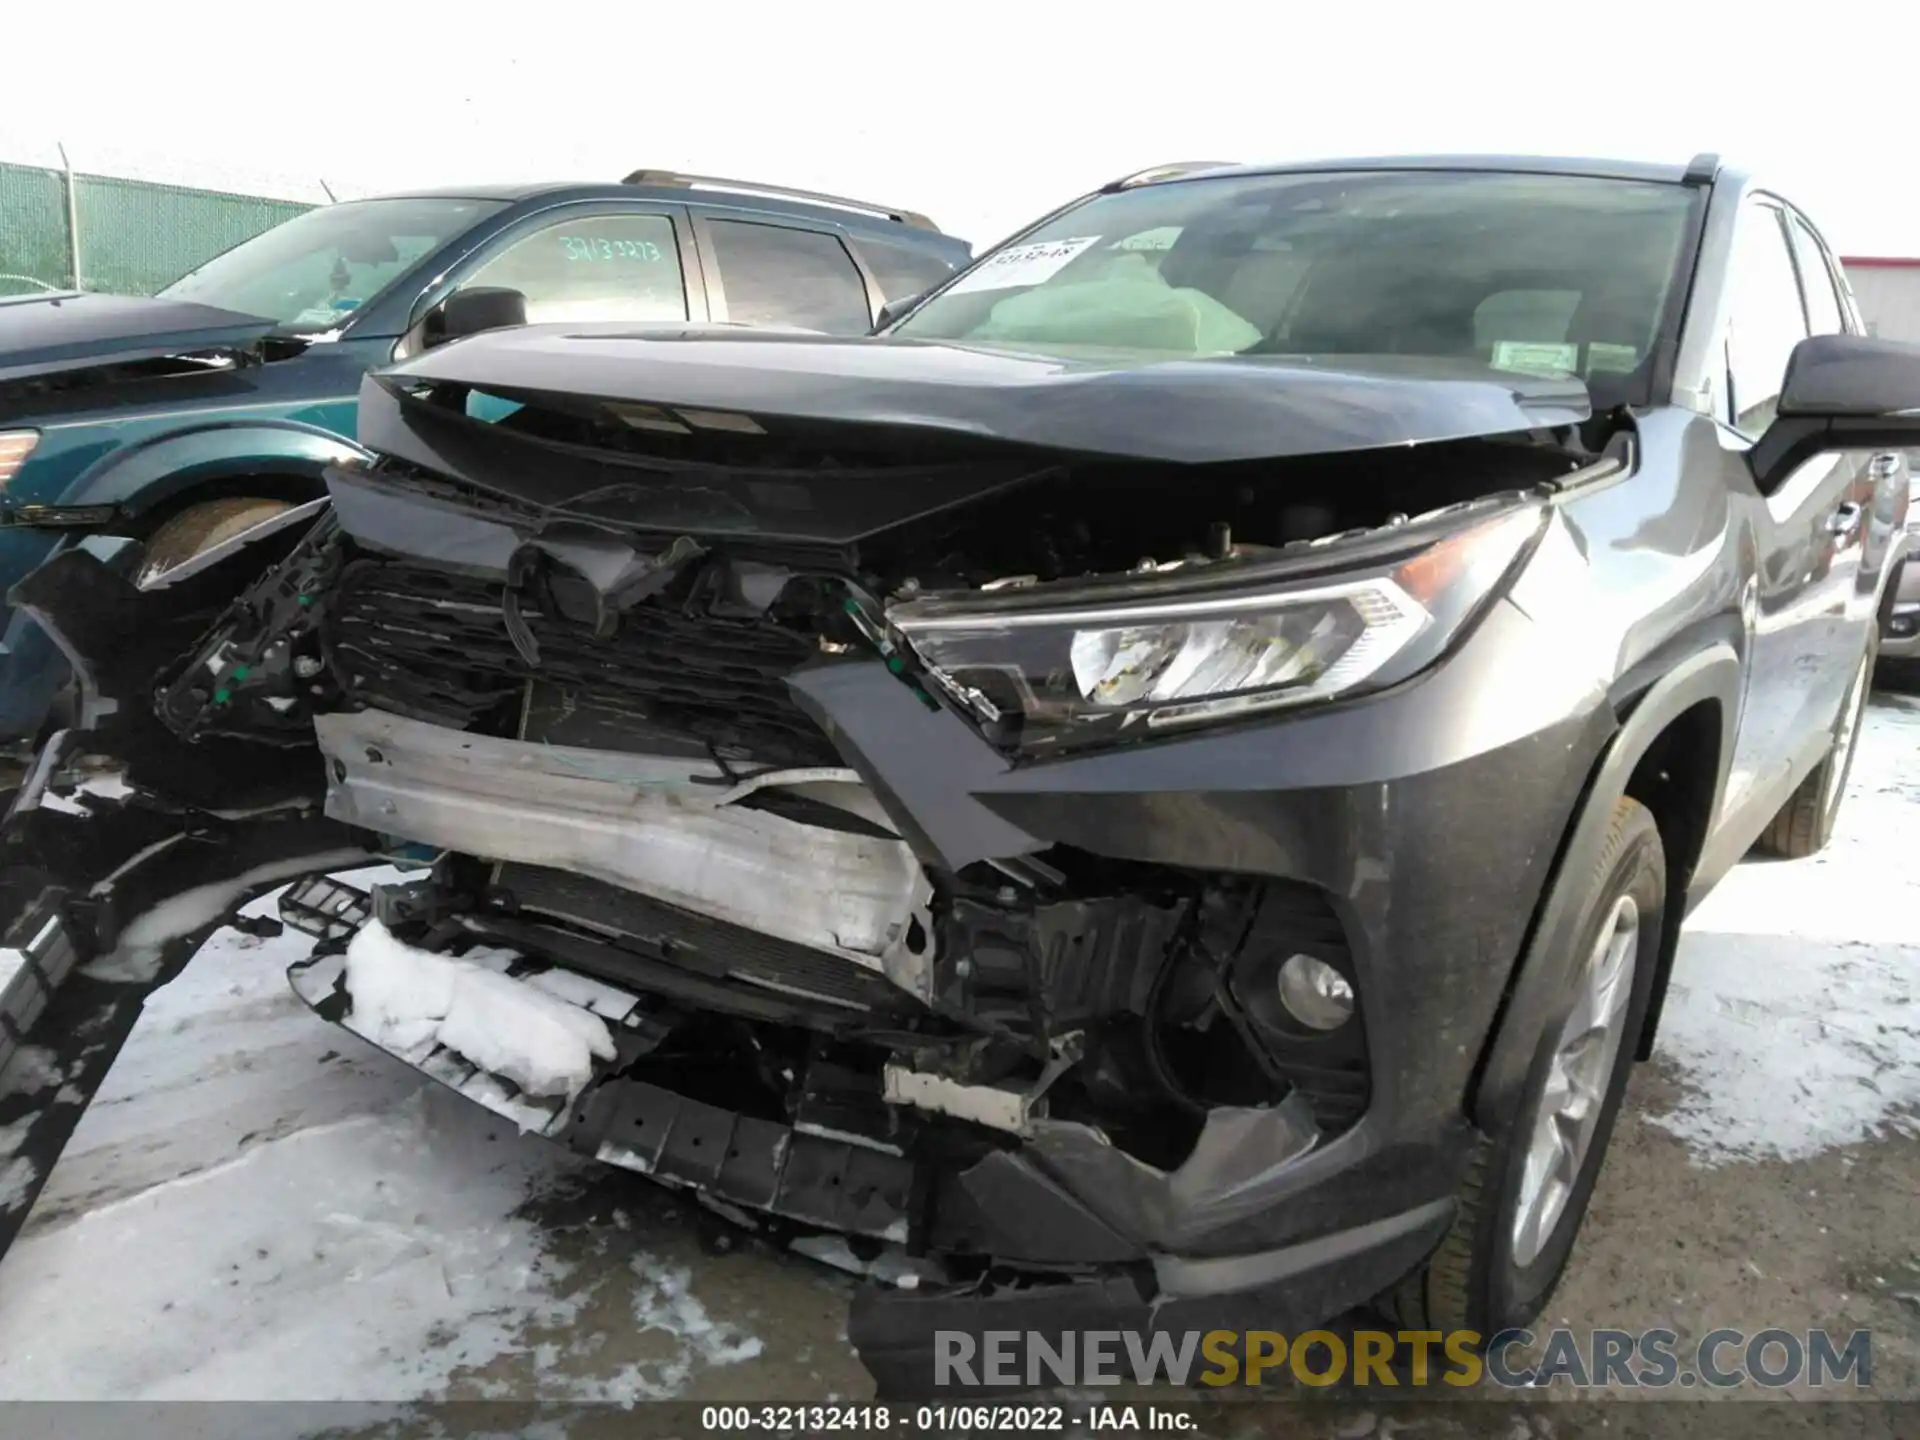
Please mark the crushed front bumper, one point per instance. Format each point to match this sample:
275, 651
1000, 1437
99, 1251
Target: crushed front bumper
900, 1335
672, 828
804, 1177
1426, 819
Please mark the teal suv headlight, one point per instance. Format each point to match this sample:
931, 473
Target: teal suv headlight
15, 447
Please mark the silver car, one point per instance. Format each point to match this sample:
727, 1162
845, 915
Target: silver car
1900, 620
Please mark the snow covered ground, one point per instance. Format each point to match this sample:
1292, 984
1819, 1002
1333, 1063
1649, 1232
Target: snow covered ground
260, 1206
1792, 1014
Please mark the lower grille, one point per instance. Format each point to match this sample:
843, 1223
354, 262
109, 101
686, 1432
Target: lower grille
707, 947
434, 646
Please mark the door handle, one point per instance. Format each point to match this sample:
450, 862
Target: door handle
1845, 520
1883, 467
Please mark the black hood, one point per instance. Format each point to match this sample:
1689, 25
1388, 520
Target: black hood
1185, 411
41, 334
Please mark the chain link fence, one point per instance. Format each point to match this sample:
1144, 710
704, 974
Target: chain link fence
135, 236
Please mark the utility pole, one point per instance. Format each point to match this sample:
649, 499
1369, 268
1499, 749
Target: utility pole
73, 218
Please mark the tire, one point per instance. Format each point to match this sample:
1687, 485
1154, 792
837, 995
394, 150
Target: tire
1805, 823
200, 527
1898, 677
1492, 1272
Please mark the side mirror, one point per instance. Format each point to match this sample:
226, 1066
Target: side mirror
468, 312
894, 309
1842, 392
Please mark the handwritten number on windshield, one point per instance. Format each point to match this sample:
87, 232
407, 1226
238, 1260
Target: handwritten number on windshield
591, 247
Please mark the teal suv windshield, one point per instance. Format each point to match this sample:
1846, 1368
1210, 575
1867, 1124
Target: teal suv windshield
315, 271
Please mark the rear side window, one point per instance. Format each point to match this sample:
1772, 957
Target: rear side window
1766, 320
593, 267
901, 270
776, 275
1816, 280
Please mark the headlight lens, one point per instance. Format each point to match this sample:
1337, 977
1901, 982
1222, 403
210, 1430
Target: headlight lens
1328, 641
1165, 653
15, 447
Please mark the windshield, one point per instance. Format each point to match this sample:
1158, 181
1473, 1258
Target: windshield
1534, 274
313, 272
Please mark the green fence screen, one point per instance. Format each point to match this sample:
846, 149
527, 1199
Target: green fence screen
34, 253
135, 236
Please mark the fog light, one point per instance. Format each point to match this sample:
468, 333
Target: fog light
1314, 993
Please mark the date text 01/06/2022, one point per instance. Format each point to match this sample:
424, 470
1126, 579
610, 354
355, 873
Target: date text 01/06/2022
938, 1419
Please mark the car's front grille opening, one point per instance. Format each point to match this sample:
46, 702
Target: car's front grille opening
435, 645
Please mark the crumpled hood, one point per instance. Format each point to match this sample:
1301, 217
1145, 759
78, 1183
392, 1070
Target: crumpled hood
41, 334
1193, 410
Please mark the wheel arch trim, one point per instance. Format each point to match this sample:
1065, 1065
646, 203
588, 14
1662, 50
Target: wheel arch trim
149, 474
1713, 674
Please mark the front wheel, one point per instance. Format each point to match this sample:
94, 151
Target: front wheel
199, 528
1526, 1191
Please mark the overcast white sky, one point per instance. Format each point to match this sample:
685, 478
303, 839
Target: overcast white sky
981, 115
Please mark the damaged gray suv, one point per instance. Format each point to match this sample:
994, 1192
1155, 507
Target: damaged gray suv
1160, 790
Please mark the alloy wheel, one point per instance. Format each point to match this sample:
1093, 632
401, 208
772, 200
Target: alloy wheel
1576, 1084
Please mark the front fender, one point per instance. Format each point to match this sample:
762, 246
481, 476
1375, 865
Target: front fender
1711, 674
146, 474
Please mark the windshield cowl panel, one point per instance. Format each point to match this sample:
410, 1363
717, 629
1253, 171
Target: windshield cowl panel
314, 273
1550, 276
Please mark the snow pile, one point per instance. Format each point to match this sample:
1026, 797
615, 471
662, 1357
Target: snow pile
106, 787
1791, 1014
33, 1072
138, 953
35, 1068
663, 1301
17, 1173
586, 992
408, 1000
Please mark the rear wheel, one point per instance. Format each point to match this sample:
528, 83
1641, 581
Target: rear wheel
1526, 1191
200, 527
1805, 823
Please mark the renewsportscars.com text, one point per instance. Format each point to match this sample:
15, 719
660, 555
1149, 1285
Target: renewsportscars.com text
1515, 1359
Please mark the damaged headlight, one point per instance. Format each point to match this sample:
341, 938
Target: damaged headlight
1055, 665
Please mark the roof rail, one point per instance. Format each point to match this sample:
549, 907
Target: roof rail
1163, 172
1701, 169
911, 218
